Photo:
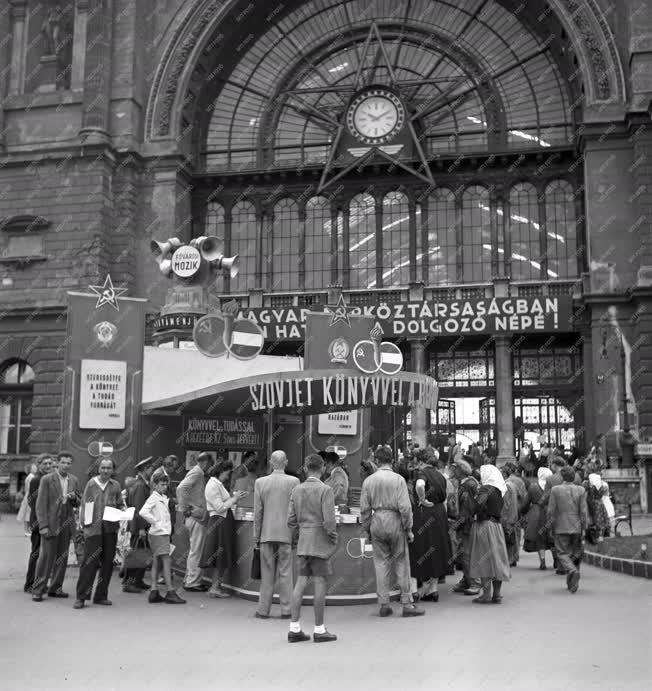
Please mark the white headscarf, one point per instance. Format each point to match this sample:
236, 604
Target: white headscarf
490, 475
542, 475
595, 481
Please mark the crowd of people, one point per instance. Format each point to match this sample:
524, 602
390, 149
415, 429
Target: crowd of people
424, 515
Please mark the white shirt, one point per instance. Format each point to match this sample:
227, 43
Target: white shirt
157, 513
218, 500
64, 485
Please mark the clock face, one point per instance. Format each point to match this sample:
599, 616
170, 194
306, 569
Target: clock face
376, 116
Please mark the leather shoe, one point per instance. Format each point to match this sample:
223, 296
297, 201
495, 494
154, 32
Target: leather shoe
459, 588
325, 637
574, 581
433, 597
286, 616
27, 588
134, 589
413, 611
143, 586
171, 598
297, 637
79, 604
37, 598
497, 599
106, 603
470, 591
385, 611
196, 588
60, 593
154, 597
258, 615
482, 600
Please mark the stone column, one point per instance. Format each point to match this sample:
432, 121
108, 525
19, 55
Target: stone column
79, 45
504, 400
420, 426
18, 46
97, 72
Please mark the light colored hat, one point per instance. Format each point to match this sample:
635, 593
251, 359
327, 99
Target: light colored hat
144, 463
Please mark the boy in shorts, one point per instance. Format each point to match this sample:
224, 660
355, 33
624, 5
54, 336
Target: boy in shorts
156, 512
311, 514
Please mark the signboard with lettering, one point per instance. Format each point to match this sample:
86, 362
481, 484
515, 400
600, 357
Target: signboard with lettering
169, 322
233, 433
338, 424
643, 449
102, 394
428, 318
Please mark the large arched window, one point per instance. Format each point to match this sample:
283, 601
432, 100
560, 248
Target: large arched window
524, 232
243, 243
286, 246
362, 242
16, 386
561, 230
442, 238
396, 240
319, 234
215, 226
476, 235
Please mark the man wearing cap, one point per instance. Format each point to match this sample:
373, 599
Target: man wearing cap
467, 489
136, 497
337, 479
386, 518
191, 501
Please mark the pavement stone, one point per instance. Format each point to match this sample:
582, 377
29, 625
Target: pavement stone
541, 637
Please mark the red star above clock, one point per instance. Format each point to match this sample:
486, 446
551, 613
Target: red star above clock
375, 121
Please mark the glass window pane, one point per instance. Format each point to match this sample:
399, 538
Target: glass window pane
286, 243
215, 224
362, 242
243, 243
4, 427
561, 230
476, 235
11, 374
442, 238
525, 233
319, 233
396, 240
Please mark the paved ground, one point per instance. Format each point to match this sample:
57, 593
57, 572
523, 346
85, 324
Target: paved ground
542, 637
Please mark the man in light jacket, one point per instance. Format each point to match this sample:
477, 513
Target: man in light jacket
191, 502
569, 516
272, 535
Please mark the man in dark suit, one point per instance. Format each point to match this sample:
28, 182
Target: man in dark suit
137, 496
271, 532
311, 514
569, 516
44, 465
58, 496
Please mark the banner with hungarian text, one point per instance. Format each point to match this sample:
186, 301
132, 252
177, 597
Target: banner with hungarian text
427, 318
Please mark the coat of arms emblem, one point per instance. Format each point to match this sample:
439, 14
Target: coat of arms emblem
339, 351
105, 333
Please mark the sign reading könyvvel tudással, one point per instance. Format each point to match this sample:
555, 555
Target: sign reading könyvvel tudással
453, 317
234, 433
102, 394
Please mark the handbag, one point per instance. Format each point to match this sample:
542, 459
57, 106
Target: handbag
139, 556
255, 564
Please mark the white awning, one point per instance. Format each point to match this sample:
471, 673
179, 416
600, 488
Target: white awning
170, 374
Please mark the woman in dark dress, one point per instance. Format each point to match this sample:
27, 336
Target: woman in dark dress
537, 535
489, 560
430, 552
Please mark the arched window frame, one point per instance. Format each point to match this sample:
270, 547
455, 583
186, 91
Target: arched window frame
571, 257
15, 404
351, 235
397, 276
467, 236
287, 247
249, 276
318, 275
433, 232
517, 234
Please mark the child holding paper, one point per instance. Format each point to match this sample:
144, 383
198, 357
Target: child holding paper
156, 512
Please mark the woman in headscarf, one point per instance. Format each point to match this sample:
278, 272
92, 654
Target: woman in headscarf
430, 552
489, 561
599, 525
537, 537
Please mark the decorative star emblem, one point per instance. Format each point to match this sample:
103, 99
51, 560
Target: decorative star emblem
339, 312
374, 57
107, 294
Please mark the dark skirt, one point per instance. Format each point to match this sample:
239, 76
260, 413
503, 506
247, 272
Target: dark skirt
488, 552
430, 553
537, 536
219, 547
